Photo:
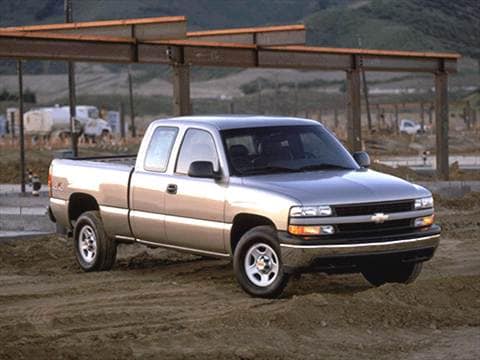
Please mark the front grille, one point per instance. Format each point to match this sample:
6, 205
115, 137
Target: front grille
373, 227
372, 208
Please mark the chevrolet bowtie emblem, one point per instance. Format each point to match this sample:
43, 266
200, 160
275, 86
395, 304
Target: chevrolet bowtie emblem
379, 218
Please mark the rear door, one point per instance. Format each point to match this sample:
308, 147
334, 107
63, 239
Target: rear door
195, 206
148, 186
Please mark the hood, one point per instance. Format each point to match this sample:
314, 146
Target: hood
332, 187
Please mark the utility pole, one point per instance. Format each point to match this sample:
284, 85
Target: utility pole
132, 106
367, 102
335, 118
422, 117
296, 98
71, 85
277, 95
122, 120
397, 130
20, 112
259, 96
365, 90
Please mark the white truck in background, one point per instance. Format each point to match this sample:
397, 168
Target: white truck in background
55, 121
411, 127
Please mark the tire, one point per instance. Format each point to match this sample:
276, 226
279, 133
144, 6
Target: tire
403, 273
259, 251
94, 250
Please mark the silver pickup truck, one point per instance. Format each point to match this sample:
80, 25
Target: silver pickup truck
278, 195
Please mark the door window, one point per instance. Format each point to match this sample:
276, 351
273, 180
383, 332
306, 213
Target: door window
198, 145
159, 149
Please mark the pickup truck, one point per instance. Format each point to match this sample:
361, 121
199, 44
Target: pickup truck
411, 127
279, 196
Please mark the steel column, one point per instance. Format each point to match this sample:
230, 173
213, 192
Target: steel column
131, 103
181, 90
354, 110
441, 115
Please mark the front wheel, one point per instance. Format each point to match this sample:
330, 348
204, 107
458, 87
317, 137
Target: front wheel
403, 273
257, 263
94, 250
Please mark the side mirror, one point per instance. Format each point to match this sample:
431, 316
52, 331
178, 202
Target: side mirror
203, 169
362, 159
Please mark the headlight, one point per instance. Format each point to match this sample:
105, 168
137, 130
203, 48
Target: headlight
424, 203
310, 211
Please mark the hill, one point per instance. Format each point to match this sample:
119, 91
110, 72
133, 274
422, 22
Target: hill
382, 24
407, 24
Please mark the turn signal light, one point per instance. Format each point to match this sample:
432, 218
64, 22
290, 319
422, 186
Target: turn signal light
309, 230
425, 221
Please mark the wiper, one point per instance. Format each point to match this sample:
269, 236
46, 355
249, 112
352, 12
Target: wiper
268, 169
322, 167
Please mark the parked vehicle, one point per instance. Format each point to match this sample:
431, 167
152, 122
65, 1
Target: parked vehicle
411, 127
56, 120
46, 121
277, 195
97, 128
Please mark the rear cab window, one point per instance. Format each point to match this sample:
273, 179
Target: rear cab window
159, 149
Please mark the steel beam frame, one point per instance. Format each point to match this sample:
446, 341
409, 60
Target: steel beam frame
114, 49
250, 52
159, 28
263, 36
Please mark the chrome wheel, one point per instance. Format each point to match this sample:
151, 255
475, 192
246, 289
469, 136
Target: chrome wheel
87, 244
261, 265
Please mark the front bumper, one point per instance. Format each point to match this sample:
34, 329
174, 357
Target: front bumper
300, 254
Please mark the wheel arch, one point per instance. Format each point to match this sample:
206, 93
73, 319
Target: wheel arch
79, 203
244, 222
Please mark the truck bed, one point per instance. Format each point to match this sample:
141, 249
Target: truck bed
104, 178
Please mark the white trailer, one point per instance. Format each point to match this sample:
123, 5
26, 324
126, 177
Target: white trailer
56, 120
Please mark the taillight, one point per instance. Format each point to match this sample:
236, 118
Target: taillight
49, 180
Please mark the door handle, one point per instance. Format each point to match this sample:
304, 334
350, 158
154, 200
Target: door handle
172, 188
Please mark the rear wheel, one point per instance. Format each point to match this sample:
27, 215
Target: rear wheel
94, 250
404, 273
257, 263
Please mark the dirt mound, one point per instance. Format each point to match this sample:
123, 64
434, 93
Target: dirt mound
469, 201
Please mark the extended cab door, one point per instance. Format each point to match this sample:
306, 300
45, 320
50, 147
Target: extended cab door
194, 207
148, 186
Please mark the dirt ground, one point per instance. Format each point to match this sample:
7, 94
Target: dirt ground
157, 304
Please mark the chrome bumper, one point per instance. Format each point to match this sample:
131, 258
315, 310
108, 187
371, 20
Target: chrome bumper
297, 256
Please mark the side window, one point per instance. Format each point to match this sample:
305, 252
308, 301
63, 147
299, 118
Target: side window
198, 145
158, 152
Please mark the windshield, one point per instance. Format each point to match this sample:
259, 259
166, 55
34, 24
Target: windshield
266, 150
